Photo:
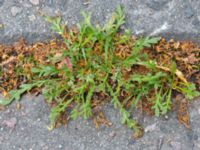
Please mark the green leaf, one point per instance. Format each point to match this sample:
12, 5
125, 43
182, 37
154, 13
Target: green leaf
75, 112
16, 94
45, 70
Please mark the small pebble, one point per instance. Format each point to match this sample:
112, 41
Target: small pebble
15, 10
166, 117
150, 127
32, 17
60, 146
199, 111
35, 2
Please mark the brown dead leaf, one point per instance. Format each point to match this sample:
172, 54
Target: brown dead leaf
2, 107
177, 45
138, 133
101, 119
183, 113
96, 123
178, 73
192, 59
18, 105
12, 58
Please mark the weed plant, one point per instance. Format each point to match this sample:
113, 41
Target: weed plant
103, 61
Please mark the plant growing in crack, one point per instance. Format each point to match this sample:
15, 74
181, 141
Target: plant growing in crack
100, 62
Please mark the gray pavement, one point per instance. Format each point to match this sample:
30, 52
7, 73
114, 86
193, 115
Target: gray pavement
26, 129
179, 19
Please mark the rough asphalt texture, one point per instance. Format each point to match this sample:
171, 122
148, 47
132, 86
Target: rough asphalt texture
26, 128
28, 131
173, 18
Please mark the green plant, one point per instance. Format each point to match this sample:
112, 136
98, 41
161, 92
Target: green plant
92, 64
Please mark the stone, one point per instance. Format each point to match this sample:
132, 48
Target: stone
32, 17
150, 128
34, 2
15, 10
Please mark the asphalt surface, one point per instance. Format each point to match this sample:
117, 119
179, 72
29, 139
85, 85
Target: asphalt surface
26, 129
179, 19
